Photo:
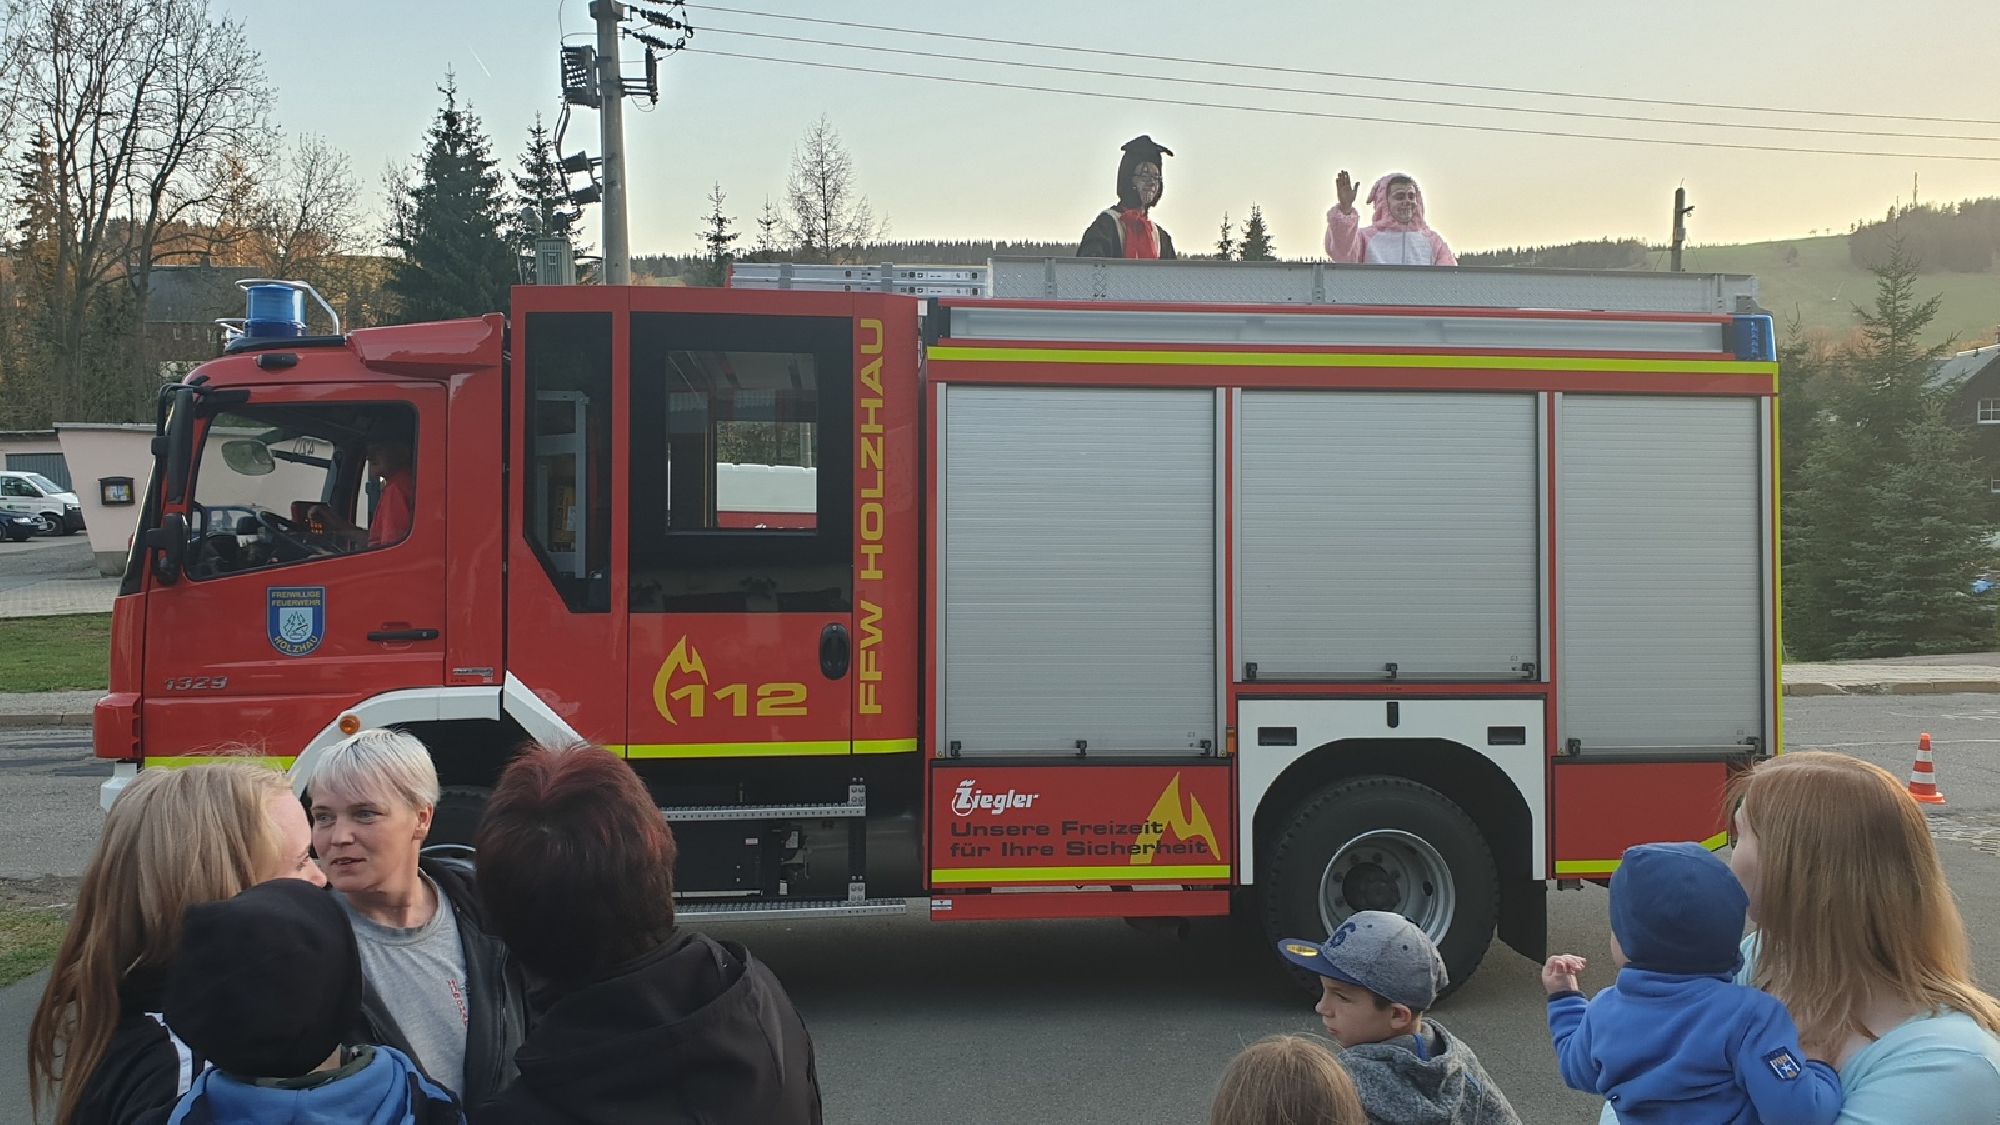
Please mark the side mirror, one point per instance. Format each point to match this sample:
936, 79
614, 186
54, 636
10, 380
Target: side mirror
178, 429
169, 542
248, 457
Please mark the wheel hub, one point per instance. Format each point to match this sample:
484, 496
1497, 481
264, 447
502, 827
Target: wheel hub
1389, 869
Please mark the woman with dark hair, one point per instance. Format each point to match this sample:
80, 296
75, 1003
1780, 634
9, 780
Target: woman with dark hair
1126, 228
640, 1021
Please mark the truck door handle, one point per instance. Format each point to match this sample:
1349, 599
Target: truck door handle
834, 652
391, 636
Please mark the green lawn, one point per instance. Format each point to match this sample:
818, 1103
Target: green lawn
55, 653
28, 940
1821, 286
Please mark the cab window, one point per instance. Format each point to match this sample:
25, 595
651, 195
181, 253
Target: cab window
289, 483
19, 488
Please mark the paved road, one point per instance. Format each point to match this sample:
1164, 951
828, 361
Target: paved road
1091, 1021
38, 559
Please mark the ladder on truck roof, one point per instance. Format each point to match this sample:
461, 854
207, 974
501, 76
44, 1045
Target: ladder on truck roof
1276, 283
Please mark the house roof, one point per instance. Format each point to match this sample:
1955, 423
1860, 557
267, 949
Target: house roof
1964, 365
194, 294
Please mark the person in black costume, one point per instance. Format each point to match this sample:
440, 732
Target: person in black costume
1126, 228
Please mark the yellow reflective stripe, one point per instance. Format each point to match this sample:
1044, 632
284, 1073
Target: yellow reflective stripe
1328, 359
734, 750
166, 763
886, 746
956, 876
1607, 866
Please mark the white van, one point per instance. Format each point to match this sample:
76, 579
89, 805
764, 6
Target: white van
32, 494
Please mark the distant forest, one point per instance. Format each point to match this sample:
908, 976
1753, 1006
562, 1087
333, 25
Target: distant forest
1950, 238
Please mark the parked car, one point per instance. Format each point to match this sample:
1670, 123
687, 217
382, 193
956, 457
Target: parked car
17, 527
32, 494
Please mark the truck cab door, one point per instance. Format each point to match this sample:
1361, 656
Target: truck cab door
314, 573
762, 537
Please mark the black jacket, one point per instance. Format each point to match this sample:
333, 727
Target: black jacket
1105, 238
498, 1021
145, 1069
696, 1032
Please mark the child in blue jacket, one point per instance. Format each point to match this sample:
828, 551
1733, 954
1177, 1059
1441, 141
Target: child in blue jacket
1676, 1039
263, 986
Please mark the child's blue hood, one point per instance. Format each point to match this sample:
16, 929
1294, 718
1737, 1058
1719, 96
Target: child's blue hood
387, 1090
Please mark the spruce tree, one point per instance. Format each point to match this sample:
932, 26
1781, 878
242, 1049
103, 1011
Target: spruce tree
1257, 238
543, 191
1225, 247
719, 239
450, 225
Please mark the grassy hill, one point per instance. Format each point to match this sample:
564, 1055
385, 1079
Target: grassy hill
1814, 279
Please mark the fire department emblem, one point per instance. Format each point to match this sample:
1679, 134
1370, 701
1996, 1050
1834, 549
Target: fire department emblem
296, 618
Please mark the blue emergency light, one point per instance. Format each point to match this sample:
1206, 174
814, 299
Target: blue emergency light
275, 312
1754, 338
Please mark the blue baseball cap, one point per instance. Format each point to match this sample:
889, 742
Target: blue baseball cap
1380, 951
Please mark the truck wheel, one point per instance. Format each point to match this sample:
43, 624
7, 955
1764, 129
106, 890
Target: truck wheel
457, 815
1383, 843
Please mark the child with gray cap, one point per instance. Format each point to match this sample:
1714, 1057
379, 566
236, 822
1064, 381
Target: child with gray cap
1676, 1038
1378, 975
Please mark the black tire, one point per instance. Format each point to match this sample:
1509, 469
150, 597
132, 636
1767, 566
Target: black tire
457, 815
1426, 837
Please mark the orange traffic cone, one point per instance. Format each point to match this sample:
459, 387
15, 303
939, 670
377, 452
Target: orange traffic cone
1923, 775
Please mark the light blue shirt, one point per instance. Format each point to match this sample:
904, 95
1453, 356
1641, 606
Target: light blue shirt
1940, 1069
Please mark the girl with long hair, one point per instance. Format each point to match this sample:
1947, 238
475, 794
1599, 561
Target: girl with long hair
173, 838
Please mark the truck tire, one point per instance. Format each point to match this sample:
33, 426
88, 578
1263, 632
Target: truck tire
457, 815
1383, 843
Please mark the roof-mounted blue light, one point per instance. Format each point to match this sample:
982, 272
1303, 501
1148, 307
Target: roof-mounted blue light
275, 311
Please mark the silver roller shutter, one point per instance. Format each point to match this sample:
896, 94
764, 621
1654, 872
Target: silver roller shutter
1388, 528
1659, 543
1078, 584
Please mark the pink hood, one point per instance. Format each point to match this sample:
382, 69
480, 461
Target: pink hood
1379, 196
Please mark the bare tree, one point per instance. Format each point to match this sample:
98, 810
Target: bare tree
148, 111
310, 213
828, 216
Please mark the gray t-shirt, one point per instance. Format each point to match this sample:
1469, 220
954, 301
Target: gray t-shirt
420, 976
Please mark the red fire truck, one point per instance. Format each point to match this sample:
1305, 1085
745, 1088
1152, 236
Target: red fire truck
1121, 589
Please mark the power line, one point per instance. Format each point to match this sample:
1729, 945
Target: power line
1257, 88
1329, 116
1355, 77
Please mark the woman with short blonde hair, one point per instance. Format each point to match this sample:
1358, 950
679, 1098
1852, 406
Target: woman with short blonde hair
438, 986
173, 839
1286, 1080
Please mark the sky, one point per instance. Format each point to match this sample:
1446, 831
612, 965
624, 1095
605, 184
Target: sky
946, 161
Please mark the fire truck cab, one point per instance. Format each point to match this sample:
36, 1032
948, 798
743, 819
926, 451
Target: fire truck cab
1121, 589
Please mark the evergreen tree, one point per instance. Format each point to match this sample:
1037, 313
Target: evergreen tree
719, 238
1883, 520
543, 191
1225, 247
1257, 238
770, 232
450, 224
1905, 591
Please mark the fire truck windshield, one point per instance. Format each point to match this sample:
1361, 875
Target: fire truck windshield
285, 483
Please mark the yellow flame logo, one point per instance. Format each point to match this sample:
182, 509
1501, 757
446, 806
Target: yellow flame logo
684, 658
1187, 826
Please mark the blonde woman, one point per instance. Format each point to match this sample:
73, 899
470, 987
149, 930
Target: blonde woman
439, 986
1856, 932
1286, 1080
173, 839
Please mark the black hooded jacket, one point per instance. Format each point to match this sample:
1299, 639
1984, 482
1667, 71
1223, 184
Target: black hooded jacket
145, 1068
1105, 237
498, 1017
697, 1032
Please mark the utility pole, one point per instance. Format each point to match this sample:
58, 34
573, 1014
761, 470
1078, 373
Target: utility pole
1681, 211
611, 122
